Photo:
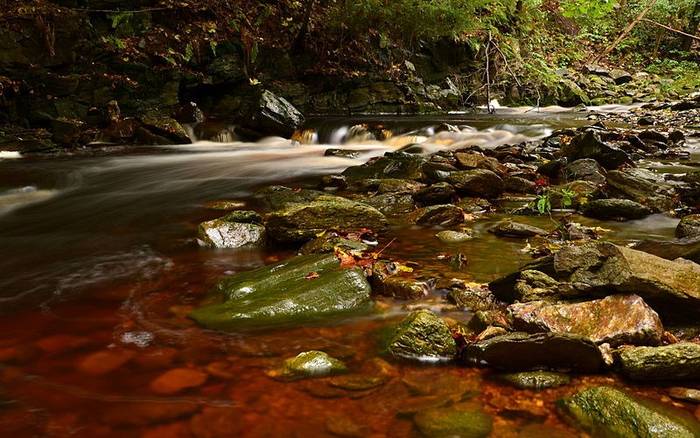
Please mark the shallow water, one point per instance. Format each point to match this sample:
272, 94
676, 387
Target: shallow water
99, 268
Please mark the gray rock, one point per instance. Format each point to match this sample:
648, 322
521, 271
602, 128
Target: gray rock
477, 182
220, 233
517, 230
620, 76
642, 186
686, 394
679, 361
615, 209
589, 145
274, 114
586, 169
689, 226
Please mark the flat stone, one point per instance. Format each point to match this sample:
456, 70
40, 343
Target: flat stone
615, 209
105, 361
679, 361
522, 351
454, 421
536, 380
686, 394
608, 412
449, 236
444, 215
615, 320
517, 230
642, 186
477, 182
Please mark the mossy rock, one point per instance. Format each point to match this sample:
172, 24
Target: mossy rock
455, 421
679, 361
535, 379
608, 412
392, 165
299, 290
301, 222
423, 335
452, 237
309, 364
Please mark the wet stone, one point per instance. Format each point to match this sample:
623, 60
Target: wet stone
449, 236
309, 364
438, 193
454, 421
445, 215
105, 361
536, 380
477, 182
329, 242
609, 412
355, 382
689, 227
615, 209
219, 233
177, 380
616, 320
400, 287
686, 394
534, 285
585, 169
517, 230
589, 145
679, 361
391, 204
422, 335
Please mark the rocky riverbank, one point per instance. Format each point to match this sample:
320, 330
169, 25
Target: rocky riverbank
583, 305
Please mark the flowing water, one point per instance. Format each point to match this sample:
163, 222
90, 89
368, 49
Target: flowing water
99, 268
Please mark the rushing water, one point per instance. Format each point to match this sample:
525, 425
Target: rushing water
99, 268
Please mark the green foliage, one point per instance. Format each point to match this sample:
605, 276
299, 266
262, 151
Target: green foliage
543, 203
567, 198
587, 11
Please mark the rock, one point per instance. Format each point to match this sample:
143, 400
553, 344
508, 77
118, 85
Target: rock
474, 160
679, 361
344, 153
589, 145
620, 76
586, 169
399, 287
280, 197
309, 364
578, 193
274, 115
220, 233
536, 380
608, 412
387, 185
391, 204
536, 286
686, 394
522, 351
177, 380
608, 268
596, 70
689, 226
450, 237
105, 361
304, 221
455, 421
477, 182
642, 186
615, 209
166, 127
315, 288
422, 335
517, 230
438, 193
329, 242
570, 93
688, 248
445, 215
473, 298
516, 184
473, 205
392, 165
616, 320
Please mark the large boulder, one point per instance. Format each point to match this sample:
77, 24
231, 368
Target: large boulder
477, 182
296, 291
522, 351
615, 209
304, 221
689, 227
392, 165
603, 267
688, 248
589, 145
679, 361
616, 320
608, 412
423, 335
642, 186
272, 114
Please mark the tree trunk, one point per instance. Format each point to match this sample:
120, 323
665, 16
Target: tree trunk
692, 27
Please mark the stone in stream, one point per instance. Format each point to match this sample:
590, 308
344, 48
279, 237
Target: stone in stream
579, 193
534, 285
517, 184
279, 197
586, 169
391, 204
399, 287
689, 226
299, 290
392, 165
589, 145
449, 236
235, 230
642, 186
679, 361
536, 380
608, 412
272, 114
686, 394
464, 421
329, 242
474, 298
438, 193
688, 248
166, 127
422, 335
522, 352
309, 364
477, 182
304, 221
516, 229
387, 185
177, 380
616, 320
445, 215
474, 160
615, 209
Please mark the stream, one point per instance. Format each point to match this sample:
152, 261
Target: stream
100, 267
